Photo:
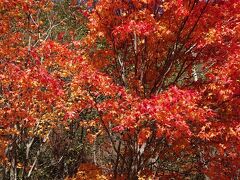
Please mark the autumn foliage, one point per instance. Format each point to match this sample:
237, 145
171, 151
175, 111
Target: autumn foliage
120, 89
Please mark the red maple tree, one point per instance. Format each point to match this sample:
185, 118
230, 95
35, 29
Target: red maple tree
162, 78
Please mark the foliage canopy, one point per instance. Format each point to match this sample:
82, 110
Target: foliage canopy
120, 89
